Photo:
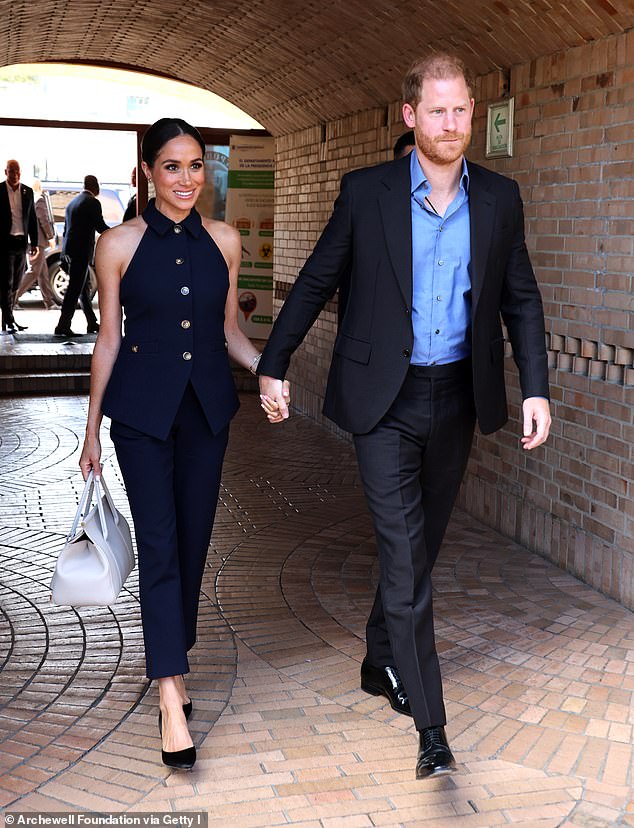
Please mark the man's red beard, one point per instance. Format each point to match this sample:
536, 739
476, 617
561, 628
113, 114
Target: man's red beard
442, 150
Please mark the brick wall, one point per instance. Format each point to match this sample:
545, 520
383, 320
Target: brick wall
572, 500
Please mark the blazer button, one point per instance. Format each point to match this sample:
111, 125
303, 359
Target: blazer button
185, 290
179, 261
187, 356
135, 349
178, 228
186, 324
406, 352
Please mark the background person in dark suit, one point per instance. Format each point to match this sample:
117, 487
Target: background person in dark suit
404, 144
83, 219
18, 224
432, 249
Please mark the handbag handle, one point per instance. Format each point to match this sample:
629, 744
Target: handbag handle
106, 491
94, 484
86, 497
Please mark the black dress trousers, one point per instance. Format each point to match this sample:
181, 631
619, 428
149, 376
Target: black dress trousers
411, 465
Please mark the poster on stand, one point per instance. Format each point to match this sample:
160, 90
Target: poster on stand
250, 193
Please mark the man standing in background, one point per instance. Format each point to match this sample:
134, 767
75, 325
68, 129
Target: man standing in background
83, 219
18, 225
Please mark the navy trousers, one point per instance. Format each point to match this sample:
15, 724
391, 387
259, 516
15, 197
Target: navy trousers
411, 465
172, 487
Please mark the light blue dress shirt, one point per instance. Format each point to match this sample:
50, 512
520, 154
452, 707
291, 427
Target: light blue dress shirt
441, 253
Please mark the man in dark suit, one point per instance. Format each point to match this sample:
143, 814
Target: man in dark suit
18, 224
432, 250
83, 219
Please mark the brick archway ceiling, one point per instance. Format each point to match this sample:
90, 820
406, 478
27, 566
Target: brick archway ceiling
295, 63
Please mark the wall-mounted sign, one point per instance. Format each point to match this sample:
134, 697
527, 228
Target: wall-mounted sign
500, 129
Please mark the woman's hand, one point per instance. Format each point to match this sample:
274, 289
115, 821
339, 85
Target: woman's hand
272, 409
90, 459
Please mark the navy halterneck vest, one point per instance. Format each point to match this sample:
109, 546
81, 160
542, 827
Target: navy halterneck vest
173, 295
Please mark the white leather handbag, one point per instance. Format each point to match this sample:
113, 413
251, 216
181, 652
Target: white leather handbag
97, 556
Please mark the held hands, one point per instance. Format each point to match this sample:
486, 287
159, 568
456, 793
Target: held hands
536, 411
90, 457
275, 397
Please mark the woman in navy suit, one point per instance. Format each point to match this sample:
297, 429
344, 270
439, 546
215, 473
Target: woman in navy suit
168, 389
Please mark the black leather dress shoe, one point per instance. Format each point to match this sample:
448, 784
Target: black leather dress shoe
179, 759
93, 328
385, 681
65, 332
434, 756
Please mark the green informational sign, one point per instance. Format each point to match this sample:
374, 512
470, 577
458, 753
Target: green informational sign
500, 129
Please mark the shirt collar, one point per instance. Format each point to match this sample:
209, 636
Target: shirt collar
161, 224
418, 178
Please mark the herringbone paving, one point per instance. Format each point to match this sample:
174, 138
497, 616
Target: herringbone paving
538, 668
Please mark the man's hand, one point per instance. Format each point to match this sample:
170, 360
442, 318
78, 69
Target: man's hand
275, 397
536, 411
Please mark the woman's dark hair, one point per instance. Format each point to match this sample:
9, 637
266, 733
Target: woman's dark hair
156, 136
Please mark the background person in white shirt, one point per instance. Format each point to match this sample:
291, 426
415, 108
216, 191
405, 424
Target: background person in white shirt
18, 225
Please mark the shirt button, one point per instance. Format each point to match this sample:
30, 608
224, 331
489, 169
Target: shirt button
186, 323
439, 298
437, 331
178, 228
179, 261
184, 290
187, 356
406, 352
440, 262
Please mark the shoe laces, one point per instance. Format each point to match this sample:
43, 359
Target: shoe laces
432, 737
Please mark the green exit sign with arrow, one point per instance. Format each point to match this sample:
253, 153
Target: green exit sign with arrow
500, 129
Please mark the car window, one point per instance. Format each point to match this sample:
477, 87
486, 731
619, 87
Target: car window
59, 201
111, 204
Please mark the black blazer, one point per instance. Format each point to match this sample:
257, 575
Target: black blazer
83, 219
29, 218
367, 245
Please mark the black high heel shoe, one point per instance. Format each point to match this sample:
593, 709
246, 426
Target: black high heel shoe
19, 327
179, 759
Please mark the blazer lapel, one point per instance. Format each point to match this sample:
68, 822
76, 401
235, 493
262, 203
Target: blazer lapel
482, 205
394, 204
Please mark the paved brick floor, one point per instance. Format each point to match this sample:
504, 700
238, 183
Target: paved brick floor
538, 668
